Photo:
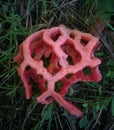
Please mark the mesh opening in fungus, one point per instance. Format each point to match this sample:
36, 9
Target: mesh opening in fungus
72, 36
73, 55
84, 40
87, 71
55, 35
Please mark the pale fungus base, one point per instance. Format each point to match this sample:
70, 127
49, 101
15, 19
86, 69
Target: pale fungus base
57, 54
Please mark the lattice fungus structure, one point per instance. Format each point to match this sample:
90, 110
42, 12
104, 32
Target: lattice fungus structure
55, 56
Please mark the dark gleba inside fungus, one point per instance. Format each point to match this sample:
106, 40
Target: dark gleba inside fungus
57, 55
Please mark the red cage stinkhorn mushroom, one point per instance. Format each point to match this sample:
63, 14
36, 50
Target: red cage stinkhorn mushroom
57, 54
